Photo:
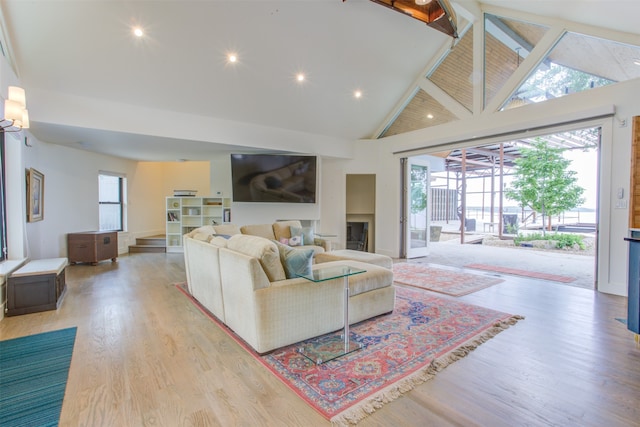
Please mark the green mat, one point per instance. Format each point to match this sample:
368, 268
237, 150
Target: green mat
33, 377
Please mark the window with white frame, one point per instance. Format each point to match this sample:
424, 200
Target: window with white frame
111, 201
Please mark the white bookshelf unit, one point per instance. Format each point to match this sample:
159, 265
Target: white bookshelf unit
184, 214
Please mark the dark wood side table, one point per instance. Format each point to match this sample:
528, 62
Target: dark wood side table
92, 246
37, 286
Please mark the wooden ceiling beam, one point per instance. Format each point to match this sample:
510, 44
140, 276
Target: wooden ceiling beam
437, 14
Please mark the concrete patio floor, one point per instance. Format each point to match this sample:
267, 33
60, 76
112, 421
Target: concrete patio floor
451, 253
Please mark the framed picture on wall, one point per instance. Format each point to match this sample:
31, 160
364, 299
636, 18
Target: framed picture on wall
35, 195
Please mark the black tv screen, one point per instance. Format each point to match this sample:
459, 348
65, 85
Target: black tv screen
273, 178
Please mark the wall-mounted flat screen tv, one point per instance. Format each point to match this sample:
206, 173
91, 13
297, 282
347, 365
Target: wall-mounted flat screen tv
273, 178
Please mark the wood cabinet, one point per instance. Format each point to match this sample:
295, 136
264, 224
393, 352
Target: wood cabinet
633, 278
188, 213
37, 286
633, 274
634, 188
92, 246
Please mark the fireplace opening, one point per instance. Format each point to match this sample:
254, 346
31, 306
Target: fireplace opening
357, 236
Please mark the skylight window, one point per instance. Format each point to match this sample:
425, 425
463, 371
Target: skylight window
507, 44
577, 63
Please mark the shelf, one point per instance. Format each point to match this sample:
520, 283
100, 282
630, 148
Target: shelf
189, 213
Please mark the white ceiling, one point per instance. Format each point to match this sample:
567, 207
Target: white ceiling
86, 49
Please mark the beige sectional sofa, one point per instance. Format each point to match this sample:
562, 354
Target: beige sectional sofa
242, 280
279, 230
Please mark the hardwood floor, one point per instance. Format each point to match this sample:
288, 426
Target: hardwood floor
144, 355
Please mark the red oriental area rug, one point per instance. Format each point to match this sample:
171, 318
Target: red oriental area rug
523, 273
441, 280
422, 336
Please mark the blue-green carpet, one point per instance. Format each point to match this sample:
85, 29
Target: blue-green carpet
33, 377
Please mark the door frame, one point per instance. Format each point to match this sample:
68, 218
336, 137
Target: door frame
407, 251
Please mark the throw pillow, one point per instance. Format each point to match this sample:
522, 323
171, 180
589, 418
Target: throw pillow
284, 240
296, 261
295, 241
305, 232
283, 228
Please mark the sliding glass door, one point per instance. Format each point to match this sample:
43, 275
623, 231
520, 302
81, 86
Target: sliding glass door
416, 208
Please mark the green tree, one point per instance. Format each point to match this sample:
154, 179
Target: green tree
543, 182
557, 80
419, 180
419, 177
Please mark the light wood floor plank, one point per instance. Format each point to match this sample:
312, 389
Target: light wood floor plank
144, 355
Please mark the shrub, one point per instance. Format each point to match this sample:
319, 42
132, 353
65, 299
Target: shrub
561, 240
568, 240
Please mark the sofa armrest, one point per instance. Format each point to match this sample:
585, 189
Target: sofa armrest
203, 275
314, 309
324, 243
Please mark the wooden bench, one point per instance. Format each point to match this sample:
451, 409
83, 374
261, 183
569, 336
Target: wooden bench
39, 285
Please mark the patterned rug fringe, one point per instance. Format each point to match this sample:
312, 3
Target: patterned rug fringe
358, 412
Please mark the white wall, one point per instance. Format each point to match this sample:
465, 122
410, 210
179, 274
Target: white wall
71, 196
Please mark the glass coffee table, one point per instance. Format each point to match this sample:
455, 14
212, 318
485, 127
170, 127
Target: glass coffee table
325, 349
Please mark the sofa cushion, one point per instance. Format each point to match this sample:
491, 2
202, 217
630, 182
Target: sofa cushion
316, 249
283, 228
350, 254
203, 237
263, 249
374, 277
294, 260
229, 229
201, 232
262, 230
219, 241
305, 232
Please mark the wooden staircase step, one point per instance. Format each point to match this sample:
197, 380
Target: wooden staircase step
153, 240
149, 244
146, 248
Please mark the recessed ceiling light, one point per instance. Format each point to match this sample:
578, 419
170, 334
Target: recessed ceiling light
357, 94
637, 62
232, 57
429, 116
300, 77
138, 32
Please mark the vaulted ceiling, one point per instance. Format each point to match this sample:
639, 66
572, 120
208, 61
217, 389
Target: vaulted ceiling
87, 50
